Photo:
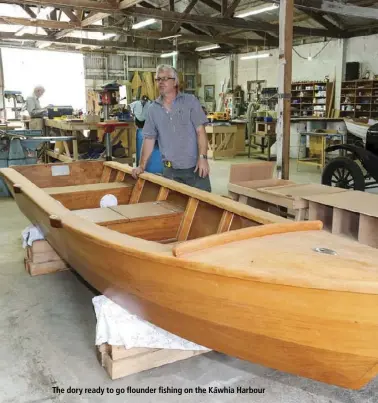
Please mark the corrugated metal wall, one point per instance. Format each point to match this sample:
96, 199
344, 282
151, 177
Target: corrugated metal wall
99, 68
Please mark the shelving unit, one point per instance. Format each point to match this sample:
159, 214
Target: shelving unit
311, 98
359, 99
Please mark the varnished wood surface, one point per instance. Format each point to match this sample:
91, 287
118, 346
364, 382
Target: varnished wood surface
271, 300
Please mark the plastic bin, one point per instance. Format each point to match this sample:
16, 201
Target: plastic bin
155, 163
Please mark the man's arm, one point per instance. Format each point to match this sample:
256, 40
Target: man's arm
199, 119
202, 163
147, 148
150, 134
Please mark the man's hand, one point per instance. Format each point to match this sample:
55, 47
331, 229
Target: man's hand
137, 171
203, 168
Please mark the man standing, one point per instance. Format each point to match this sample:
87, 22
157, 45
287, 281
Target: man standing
139, 109
176, 121
32, 104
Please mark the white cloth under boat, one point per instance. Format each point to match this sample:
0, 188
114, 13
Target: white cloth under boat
118, 327
31, 234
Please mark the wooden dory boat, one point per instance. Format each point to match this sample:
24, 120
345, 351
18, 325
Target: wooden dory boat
224, 275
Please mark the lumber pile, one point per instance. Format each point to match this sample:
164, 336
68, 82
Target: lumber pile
41, 258
120, 362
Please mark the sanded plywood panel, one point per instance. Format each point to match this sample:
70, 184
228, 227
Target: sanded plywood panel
206, 221
79, 173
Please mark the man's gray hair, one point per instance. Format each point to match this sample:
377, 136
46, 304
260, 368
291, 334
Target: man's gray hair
167, 67
39, 87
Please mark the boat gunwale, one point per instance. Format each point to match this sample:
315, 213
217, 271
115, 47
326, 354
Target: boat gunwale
116, 240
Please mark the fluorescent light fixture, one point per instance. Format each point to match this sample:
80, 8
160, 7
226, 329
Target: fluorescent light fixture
169, 37
256, 56
107, 36
207, 47
169, 54
143, 23
258, 11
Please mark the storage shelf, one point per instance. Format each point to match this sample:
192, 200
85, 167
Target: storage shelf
351, 89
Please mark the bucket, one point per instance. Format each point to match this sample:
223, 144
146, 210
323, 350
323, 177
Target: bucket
155, 163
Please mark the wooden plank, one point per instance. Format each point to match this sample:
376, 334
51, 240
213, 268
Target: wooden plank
60, 157
142, 361
39, 23
37, 269
120, 176
105, 177
368, 230
225, 222
345, 223
103, 216
155, 228
42, 257
187, 221
92, 19
79, 173
323, 213
91, 198
137, 191
163, 193
353, 200
41, 246
87, 188
142, 211
242, 234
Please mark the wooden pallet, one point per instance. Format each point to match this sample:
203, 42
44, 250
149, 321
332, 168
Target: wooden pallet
120, 362
41, 258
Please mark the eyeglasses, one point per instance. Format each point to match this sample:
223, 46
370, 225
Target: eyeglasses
158, 79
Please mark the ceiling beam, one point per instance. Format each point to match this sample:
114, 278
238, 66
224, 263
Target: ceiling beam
224, 7
128, 3
319, 18
71, 15
29, 11
221, 22
156, 46
231, 9
101, 6
186, 12
212, 4
39, 23
93, 18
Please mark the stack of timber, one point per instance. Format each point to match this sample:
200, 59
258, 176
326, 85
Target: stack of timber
120, 362
41, 258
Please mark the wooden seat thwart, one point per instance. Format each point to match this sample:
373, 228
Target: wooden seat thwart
89, 195
155, 221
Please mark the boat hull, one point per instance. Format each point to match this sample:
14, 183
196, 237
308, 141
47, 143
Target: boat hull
326, 335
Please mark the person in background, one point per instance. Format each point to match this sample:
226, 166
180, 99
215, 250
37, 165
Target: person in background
139, 109
32, 104
176, 121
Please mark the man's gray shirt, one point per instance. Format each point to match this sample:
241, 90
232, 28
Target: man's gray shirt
175, 130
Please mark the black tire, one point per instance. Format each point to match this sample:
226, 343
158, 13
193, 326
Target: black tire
344, 173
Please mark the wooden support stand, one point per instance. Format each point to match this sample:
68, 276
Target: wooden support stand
120, 362
41, 258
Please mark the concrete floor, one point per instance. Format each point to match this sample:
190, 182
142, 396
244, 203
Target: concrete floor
47, 328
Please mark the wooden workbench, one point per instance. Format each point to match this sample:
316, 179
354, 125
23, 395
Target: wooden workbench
264, 194
62, 150
76, 128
